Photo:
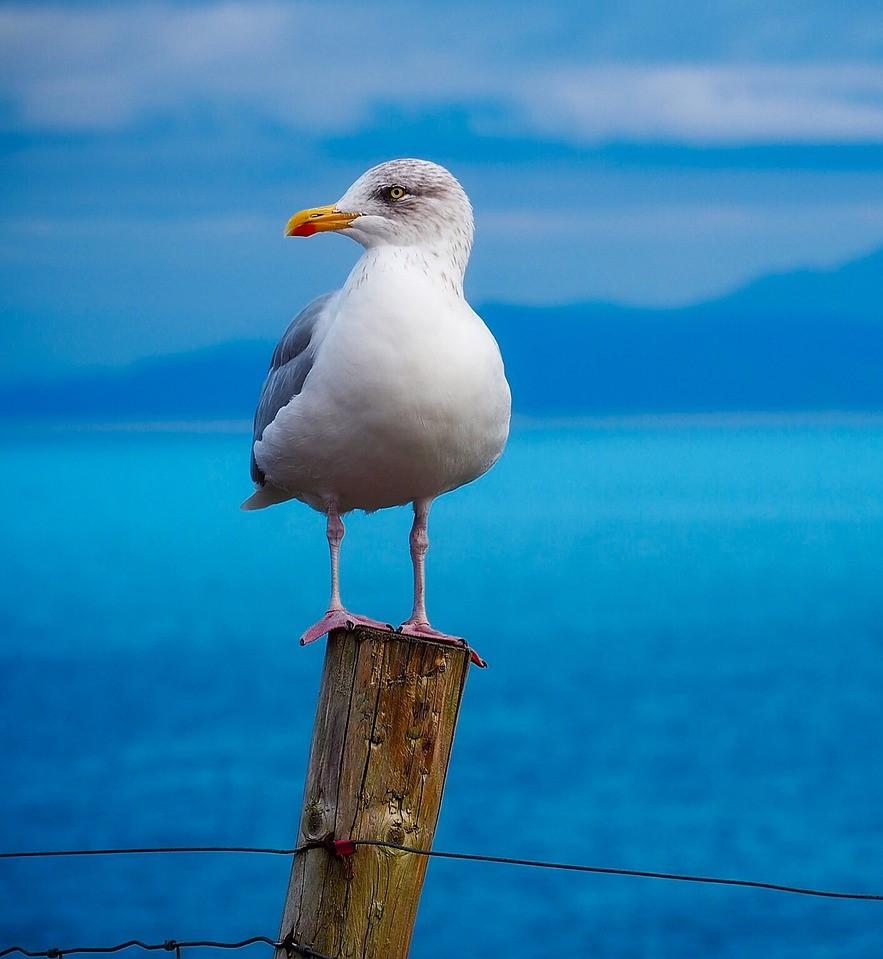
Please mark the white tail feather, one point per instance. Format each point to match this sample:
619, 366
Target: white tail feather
265, 496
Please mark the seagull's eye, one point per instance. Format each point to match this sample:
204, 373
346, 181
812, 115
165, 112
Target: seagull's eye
396, 192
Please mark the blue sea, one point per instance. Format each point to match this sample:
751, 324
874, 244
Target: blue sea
684, 625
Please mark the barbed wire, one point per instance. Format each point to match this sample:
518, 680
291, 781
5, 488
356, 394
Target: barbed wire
338, 848
169, 945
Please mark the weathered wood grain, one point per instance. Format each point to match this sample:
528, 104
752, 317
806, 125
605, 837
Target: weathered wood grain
384, 728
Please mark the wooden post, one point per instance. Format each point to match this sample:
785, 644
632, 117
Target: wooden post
382, 740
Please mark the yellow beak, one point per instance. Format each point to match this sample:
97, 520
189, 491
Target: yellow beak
318, 219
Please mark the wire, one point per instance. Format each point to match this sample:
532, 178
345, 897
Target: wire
466, 857
638, 873
170, 945
142, 850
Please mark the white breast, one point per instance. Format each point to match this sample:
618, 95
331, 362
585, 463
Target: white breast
407, 397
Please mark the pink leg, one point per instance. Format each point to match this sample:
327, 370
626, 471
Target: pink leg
418, 622
337, 617
335, 532
419, 548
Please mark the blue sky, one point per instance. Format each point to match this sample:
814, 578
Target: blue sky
640, 152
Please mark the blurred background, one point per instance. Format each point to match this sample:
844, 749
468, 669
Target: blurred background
674, 571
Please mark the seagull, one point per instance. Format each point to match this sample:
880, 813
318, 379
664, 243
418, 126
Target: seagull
390, 390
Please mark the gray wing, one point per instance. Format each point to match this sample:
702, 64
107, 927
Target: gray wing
291, 363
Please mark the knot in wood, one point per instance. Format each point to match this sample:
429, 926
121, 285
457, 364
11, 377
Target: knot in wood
316, 823
396, 834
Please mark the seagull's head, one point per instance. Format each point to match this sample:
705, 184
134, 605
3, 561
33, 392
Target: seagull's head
397, 203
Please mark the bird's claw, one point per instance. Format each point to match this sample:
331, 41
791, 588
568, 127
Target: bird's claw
337, 619
341, 619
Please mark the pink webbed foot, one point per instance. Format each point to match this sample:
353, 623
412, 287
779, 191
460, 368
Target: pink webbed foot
337, 619
420, 629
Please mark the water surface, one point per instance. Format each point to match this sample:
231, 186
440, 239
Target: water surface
683, 625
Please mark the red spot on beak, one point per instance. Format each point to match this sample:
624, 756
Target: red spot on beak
305, 229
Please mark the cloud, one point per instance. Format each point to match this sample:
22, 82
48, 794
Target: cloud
320, 67
690, 219
324, 69
711, 104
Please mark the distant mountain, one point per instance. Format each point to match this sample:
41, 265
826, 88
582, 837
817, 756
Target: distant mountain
217, 382
795, 341
803, 340
854, 290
